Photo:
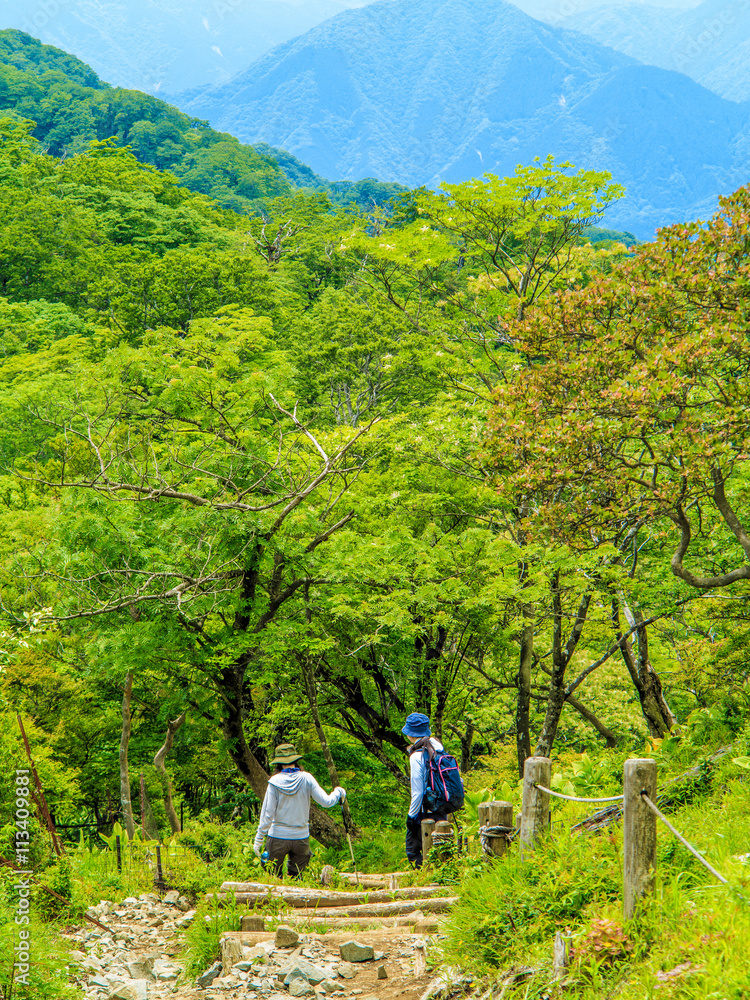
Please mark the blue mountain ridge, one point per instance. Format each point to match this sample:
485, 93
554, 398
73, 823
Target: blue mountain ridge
419, 92
710, 43
163, 46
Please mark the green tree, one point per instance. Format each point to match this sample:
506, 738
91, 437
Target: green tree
193, 503
628, 417
461, 265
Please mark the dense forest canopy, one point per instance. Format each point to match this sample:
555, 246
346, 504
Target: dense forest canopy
244, 456
284, 460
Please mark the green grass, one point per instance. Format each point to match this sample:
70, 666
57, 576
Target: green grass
48, 974
689, 940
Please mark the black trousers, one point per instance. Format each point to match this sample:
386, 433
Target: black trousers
414, 838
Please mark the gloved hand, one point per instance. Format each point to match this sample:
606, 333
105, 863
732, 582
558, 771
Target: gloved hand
342, 793
257, 846
414, 825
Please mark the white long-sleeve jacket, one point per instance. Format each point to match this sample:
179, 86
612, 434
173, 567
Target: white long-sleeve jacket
286, 806
418, 772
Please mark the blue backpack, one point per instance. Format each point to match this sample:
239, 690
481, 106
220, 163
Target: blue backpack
444, 786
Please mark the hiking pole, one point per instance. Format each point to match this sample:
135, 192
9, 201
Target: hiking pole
349, 838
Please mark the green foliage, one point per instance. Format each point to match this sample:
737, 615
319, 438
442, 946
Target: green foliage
367, 194
58, 878
597, 234
211, 840
512, 904
204, 934
48, 973
469, 817
71, 108
138, 839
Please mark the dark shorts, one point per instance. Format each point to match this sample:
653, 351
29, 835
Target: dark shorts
297, 851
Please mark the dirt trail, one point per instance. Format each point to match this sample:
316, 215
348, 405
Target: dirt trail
139, 958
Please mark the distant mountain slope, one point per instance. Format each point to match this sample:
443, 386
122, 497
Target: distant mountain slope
72, 108
421, 91
164, 46
710, 43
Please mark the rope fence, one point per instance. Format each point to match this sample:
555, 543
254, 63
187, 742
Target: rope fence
635, 806
485, 832
694, 851
575, 798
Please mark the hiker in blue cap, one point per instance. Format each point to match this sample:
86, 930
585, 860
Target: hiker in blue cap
417, 731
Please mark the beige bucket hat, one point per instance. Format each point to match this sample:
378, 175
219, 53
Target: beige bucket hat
286, 754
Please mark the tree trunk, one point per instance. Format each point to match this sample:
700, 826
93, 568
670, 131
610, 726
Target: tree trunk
375, 729
423, 681
308, 673
166, 784
645, 679
589, 716
125, 802
322, 826
523, 703
561, 657
466, 739
556, 697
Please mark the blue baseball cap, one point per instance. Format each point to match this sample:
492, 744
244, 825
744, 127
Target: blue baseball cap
417, 725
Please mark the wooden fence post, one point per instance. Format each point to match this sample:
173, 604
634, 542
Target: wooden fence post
639, 833
442, 838
428, 826
496, 814
535, 808
483, 812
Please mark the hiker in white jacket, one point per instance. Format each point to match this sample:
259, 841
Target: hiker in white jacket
285, 816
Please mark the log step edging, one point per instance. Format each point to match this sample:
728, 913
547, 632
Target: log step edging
256, 891
393, 909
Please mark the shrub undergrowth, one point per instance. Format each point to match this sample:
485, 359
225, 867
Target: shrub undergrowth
688, 941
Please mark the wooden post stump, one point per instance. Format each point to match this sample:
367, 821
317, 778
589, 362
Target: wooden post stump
496, 813
428, 827
561, 955
231, 952
639, 833
442, 838
535, 808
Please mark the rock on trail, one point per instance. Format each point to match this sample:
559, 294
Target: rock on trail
138, 958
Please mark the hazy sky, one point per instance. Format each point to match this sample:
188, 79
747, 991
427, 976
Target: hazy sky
168, 46
555, 10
